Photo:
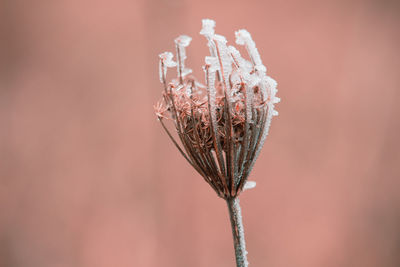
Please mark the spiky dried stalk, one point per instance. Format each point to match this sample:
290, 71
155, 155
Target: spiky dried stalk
222, 126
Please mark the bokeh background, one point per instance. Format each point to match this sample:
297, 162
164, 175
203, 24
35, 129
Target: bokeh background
89, 179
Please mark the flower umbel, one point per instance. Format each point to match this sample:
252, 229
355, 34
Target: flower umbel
222, 125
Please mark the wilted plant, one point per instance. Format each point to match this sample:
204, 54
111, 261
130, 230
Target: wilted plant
222, 125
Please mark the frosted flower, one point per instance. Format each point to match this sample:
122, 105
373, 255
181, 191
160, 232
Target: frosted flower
222, 126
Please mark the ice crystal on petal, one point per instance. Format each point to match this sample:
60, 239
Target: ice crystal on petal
186, 71
239, 61
243, 37
165, 62
210, 69
249, 185
276, 100
212, 62
166, 57
183, 40
224, 58
208, 32
208, 27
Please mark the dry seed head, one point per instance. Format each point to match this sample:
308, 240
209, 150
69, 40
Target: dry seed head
222, 126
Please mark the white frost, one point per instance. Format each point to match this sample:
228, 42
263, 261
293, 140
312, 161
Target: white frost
208, 27
225, 62
182, 42
186, 71
243, 37
242, 242
249, 185
165, 62
213, 63
213, 66
166, 57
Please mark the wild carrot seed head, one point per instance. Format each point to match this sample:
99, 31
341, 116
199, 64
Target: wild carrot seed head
222, 126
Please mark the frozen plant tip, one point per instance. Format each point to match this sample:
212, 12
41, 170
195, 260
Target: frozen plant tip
223, 124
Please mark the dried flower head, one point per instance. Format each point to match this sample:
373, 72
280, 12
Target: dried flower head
222, 126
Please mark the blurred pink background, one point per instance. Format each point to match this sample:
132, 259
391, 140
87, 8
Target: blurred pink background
89, 179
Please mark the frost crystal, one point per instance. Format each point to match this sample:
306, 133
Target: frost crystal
165, 61
249, 185
242, 243
181, 43
208, 27
243, 37
213, 63
223, 125
183, 40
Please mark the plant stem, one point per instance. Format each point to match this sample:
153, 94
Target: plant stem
235, 216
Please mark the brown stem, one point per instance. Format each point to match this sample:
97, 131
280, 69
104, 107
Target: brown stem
235, 216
